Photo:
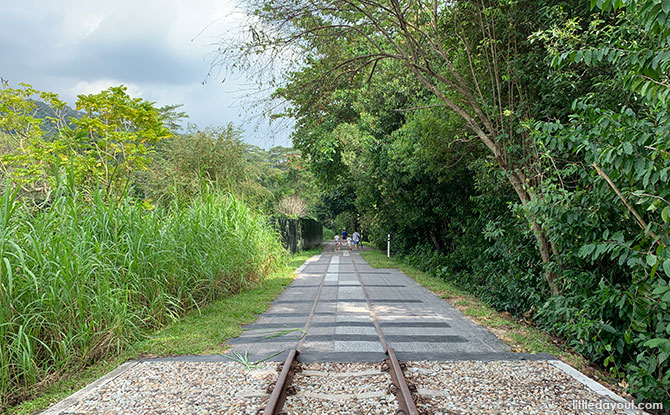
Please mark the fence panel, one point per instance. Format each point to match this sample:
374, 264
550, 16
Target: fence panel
299, 234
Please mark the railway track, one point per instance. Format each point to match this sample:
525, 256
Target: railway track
406, 394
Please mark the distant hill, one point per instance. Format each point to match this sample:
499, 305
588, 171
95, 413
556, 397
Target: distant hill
44, 110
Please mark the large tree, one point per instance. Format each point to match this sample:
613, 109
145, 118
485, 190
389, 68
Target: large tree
472, 57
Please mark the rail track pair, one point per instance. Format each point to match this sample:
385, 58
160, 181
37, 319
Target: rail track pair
280, 389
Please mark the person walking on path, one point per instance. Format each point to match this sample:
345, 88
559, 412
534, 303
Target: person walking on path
337, 242
357, 239
349, 242
344, 235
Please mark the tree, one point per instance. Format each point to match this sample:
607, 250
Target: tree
466, 54
110, 141
27, 158
115, 135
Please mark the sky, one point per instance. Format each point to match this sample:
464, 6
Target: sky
159, 49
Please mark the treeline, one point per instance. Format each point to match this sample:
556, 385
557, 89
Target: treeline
128, 147
520, 149
113, 223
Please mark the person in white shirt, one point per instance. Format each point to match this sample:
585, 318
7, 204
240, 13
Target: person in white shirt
349, 242
337, 242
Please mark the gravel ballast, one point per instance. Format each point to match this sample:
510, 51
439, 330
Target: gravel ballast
182, 388
502, 387
444, 388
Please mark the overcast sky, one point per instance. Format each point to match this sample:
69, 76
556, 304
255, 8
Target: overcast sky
157, 48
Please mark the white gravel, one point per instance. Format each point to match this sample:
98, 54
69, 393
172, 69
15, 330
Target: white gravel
500, 387
169, 388
445, 388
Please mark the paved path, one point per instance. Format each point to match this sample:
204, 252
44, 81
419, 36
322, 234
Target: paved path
416, 323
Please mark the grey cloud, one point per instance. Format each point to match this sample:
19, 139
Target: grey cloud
38, 47
25, 43
136, 61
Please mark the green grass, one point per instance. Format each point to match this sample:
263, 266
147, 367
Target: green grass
205, 332
83, 278
201, 331
521, 336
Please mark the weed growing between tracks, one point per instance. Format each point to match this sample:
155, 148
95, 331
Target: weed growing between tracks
202, 331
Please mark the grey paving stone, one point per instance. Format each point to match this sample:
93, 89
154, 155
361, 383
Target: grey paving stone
367, 330
357, 346
417, 331
317, 347
412, 319
414, 324
444, 348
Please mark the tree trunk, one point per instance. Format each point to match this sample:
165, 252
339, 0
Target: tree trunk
543, 244
435, 240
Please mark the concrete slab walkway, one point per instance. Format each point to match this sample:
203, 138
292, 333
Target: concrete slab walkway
416, 323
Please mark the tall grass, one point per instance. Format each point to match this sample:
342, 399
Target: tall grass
80, 279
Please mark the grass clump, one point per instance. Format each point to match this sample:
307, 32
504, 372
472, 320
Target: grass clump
204, 331
83, 277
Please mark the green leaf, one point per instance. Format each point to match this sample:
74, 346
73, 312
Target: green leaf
666, 267
665, 214
651, 260
662, 356
627, 148
659, 342
586, 250
660, 290
666, 297
666, 6
653, 270
608, 329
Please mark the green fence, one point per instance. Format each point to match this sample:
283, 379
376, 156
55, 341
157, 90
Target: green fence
299, 234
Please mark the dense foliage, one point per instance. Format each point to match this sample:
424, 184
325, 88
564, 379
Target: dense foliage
520, 149
113, 223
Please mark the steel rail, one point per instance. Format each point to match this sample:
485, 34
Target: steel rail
310, 317
403, 393
280, 390
401, 388
281, 386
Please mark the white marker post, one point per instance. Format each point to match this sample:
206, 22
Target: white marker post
388, 246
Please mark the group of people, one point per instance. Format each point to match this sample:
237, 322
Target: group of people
352, 241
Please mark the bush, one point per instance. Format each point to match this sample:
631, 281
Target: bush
328, 234
80, 279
